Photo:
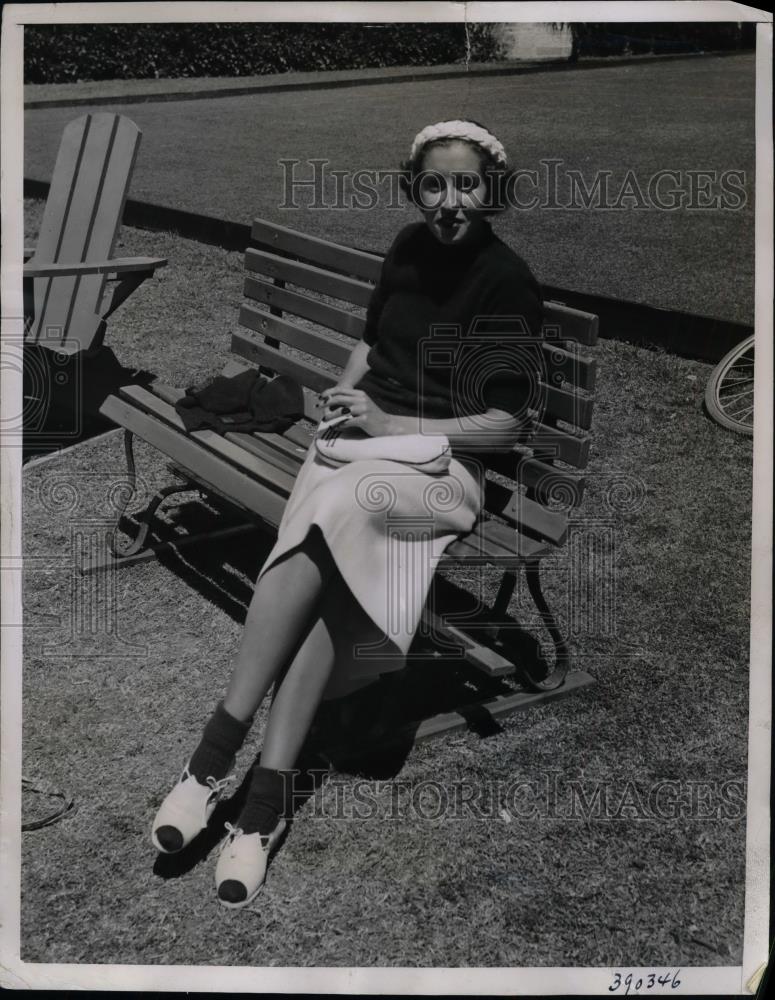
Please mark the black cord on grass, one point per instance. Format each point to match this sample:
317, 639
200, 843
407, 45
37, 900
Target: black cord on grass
68, 804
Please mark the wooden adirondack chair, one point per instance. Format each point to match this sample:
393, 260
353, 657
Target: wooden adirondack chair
65, 296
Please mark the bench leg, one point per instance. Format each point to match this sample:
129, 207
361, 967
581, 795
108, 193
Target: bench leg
557, 676
122, 551
502, 600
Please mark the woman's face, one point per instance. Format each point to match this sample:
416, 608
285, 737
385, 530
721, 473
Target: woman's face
452, 192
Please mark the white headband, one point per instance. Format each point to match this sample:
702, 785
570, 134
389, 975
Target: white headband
460, 130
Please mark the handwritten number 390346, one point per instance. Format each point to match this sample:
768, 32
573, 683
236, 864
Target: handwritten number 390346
647, 982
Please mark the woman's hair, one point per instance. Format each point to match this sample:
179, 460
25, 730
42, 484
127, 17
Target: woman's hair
497, 177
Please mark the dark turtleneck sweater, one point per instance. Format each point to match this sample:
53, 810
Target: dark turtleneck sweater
453, 330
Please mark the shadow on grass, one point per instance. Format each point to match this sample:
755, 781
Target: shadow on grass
370, 732
63, 395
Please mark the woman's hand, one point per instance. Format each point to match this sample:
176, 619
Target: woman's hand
363, 411
325, 395
324, 400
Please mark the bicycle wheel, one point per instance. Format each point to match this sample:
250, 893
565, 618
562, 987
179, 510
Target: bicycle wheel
729, 392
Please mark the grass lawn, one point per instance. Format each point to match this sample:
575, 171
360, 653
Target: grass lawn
121, 672
684, 115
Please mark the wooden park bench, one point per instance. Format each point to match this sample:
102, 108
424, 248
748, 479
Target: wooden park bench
303, 314
66, 305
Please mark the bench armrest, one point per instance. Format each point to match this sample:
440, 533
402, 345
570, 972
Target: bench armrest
121, 265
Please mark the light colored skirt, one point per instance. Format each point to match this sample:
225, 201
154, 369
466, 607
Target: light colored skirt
386, 525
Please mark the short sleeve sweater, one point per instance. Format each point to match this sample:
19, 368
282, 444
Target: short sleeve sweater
453, 330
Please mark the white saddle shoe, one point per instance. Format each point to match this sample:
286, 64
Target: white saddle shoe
186, 811
241, 867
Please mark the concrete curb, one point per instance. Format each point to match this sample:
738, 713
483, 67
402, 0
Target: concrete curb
689, 335
401, 76
49, 456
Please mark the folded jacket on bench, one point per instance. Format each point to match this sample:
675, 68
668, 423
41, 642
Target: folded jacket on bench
243, 402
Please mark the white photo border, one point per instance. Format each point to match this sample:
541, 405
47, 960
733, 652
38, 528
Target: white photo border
414, 981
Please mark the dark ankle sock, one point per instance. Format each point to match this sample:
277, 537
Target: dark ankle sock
270, 797
222, 738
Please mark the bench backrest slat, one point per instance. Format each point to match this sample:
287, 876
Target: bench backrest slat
573, 449
564, 404
275, 241
561, 364
333, 256
282, 331
305, 307
561, 404
573, 324
580, 370
80, 223
312, 376
316, 279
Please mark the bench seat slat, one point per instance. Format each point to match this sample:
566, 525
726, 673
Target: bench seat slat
512, 540
549, 483
556, 481
295, 433
291, 444
526, 514
209, 468
535, 518
307, 276
341, 258
264, 450
269, 475
493, 543
229, 481
258, 462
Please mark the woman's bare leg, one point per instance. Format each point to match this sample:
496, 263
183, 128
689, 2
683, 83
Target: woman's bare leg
340, 627
297, 698
284, 602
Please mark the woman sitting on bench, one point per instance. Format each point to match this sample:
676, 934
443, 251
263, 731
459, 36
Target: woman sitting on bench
358, 541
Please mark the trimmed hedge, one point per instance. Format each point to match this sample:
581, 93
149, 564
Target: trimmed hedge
68, 53
64, 53
633, 38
